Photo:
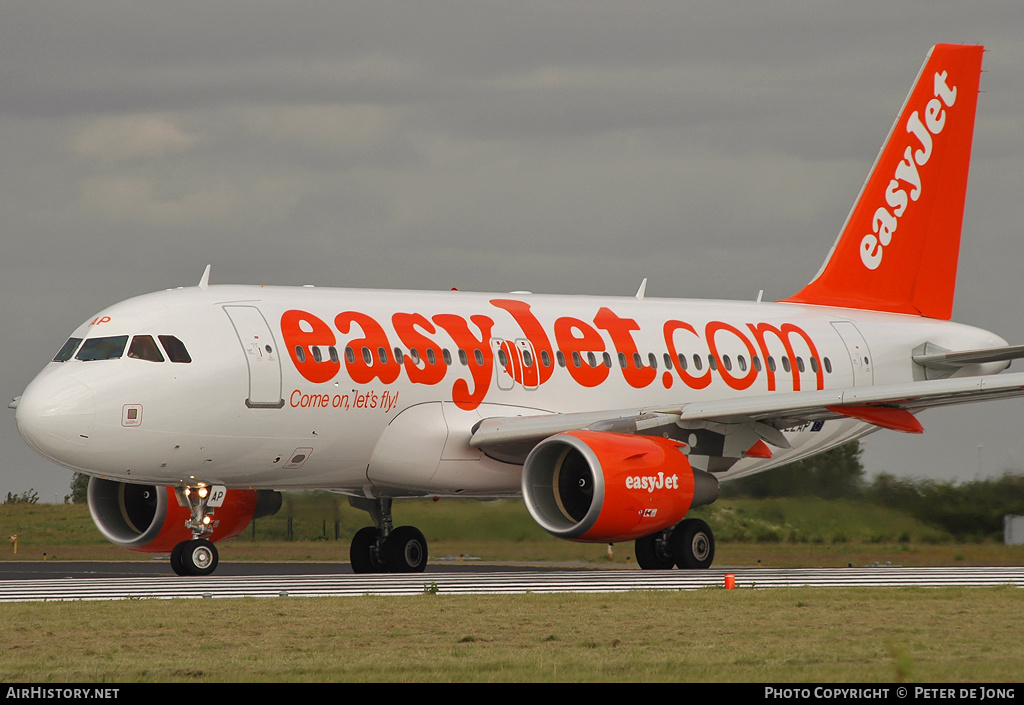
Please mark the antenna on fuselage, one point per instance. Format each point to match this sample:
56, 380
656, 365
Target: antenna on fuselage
642, 290
205, 281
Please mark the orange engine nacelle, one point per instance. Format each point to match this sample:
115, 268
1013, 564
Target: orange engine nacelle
608, 487
150, 518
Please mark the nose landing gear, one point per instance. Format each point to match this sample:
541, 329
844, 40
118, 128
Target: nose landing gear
198, 556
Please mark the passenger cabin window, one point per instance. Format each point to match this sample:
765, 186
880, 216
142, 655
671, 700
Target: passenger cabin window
102, 348
174, 348
68, 350
143, 347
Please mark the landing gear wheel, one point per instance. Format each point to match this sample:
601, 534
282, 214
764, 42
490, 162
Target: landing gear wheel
363, 552
693, 545
405, 550
198, 557
176, 565
652, 552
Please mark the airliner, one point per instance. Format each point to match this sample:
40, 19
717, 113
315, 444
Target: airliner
192, 409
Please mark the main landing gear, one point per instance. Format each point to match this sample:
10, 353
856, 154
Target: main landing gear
383, 548
198, 556
689, 544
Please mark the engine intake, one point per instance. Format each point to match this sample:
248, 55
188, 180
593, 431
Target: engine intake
607, 487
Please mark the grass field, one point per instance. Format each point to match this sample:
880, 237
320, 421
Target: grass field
710, 635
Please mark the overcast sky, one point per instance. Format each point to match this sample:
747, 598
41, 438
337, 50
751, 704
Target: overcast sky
555, 147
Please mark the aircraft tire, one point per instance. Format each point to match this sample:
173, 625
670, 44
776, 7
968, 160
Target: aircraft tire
693, 545
648, 554
176, 565
199, 557
360, 555
405, 551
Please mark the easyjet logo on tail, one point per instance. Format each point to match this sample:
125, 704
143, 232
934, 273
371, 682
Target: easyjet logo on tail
907, 174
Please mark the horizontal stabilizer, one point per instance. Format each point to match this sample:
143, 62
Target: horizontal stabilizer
946, 360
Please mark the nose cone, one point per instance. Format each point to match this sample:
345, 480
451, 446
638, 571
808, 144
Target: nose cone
55, 415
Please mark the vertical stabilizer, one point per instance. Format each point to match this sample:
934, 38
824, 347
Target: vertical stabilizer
899, 247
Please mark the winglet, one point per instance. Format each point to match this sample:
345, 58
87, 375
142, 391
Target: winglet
205, 281
899, 247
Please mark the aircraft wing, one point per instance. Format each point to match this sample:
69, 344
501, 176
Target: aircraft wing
889, 406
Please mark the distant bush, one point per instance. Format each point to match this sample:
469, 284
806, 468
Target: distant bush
835, 474
971, 511
79, 489
29, 496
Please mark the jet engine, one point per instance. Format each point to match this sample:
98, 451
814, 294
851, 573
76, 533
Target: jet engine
609, 487
150, 518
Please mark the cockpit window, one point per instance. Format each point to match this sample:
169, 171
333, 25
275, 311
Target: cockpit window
102, 348
143, 347
68, 351
175, 349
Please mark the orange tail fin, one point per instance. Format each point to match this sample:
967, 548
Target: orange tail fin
899, 247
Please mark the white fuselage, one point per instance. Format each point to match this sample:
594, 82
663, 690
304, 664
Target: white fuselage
280, 393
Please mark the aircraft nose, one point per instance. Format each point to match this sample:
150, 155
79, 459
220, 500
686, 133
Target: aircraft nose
55, 415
